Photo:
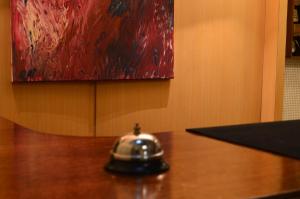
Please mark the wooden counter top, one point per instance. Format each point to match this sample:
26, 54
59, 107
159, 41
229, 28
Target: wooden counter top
34, 165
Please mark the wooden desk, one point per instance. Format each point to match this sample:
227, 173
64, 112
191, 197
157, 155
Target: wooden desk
34, 165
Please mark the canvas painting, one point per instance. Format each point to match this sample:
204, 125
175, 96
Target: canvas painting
66, 40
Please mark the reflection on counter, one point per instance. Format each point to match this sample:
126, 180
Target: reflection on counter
141, 188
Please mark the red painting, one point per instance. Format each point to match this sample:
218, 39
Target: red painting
61, 40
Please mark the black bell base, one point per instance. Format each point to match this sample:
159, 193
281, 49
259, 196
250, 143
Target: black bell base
137, 167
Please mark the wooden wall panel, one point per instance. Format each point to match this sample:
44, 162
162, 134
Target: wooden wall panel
6, 124
281, 38
219, 47
62, 108
274, 60
219, 56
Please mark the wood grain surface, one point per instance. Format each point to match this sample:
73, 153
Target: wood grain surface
35, 165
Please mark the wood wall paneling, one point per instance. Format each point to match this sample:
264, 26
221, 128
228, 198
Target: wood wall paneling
218, 73
274, 60
282, 20
219, 57
61, 108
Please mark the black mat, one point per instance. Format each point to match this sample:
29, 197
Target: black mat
281, 138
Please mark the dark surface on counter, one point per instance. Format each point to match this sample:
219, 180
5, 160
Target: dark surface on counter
281, 138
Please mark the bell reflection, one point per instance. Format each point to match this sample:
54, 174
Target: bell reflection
139, 187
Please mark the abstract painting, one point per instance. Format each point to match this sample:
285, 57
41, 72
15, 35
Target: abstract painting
62, 40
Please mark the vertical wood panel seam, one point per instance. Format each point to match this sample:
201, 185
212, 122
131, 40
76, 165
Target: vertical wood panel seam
95, 110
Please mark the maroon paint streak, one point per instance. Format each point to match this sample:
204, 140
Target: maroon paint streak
57, 40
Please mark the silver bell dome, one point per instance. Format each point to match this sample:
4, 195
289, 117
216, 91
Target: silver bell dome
137, 146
